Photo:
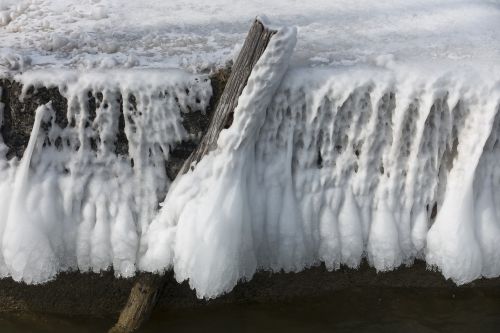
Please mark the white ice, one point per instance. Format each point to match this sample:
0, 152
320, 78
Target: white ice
74, 202
387, 152
385, 164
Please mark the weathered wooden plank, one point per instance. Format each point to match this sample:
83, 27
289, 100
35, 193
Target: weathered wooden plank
255, 44
142, 299
145, 293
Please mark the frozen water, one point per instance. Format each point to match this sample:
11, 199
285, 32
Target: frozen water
73, 201
389, 164
346, 165
387, 151
204, 231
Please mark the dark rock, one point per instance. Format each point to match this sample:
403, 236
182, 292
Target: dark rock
19, 116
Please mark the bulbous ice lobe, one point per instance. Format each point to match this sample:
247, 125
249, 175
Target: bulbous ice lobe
214, 220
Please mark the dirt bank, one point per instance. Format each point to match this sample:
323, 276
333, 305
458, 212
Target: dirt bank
102, 295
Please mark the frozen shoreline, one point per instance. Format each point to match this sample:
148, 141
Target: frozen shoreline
349, 89
387, 152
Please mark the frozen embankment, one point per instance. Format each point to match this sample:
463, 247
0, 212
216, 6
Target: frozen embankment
91, 177
387, 164
390, 163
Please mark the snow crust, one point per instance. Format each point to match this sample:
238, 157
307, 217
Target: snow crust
197, 34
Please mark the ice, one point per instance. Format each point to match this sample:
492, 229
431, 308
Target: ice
376, 139
27, 250
375, 163
204, 230
74, 201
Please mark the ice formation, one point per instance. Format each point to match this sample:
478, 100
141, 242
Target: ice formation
388, 152
342, 165
193, 231
73, 201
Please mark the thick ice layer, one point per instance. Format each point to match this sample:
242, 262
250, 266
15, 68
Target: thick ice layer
197, 34
390, 163
205, 226
344, 164
74, 202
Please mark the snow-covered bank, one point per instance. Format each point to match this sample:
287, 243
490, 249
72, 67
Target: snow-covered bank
343, 164
391, 158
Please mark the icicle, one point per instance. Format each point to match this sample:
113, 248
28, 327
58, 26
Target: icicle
26, 247
320, 166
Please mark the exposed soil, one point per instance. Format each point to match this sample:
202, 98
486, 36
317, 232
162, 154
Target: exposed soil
103, 295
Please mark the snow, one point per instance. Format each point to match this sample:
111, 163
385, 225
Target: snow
198, 35
376, 138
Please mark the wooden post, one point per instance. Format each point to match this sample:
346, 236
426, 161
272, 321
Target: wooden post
256, 42
146, 291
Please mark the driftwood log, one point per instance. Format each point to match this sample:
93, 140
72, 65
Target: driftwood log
147, 289
256, 42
